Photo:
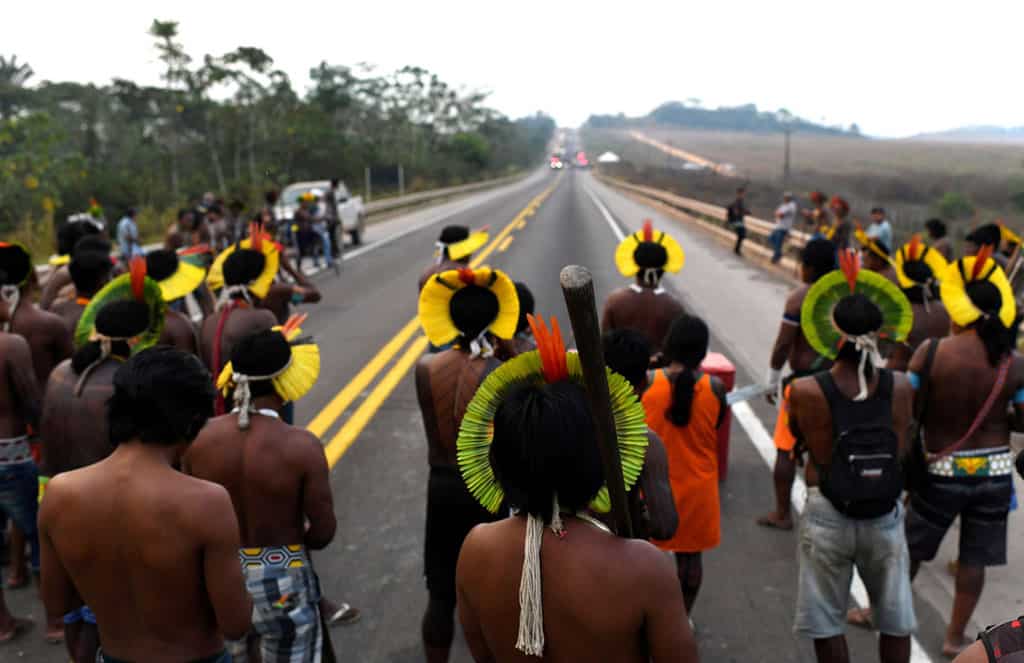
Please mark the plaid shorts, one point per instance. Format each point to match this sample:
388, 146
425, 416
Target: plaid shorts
285, 616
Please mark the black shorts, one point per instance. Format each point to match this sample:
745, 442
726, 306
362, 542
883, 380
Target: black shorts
982, 504
451, 513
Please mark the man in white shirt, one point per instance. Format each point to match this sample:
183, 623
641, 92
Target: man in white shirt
128, 237
785, 215
880, 229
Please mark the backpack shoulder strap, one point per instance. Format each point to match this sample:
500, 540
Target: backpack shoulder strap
832, 395
885, 384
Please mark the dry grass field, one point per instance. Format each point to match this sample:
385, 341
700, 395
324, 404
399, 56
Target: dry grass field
907, 177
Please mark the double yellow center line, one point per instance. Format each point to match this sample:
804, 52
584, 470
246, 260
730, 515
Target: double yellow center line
350, 430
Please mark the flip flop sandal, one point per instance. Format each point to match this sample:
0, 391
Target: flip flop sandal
344, 615
764, 521
21, 627
16, 585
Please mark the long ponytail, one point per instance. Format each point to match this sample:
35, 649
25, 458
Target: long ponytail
686, 344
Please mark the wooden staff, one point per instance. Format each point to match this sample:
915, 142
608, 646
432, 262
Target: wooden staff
578, 290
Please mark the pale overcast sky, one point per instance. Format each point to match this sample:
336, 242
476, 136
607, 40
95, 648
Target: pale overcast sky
896, 67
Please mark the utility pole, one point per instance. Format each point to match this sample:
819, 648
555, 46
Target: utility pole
401, 180
368, 192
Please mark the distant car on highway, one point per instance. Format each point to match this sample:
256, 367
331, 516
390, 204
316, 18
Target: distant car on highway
351, 213
581, 160
556, 163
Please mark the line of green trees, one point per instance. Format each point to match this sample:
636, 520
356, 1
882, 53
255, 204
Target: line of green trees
692, 115
234, 124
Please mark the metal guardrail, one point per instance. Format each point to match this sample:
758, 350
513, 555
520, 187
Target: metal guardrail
382, 206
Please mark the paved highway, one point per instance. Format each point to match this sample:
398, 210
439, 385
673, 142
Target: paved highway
365, 411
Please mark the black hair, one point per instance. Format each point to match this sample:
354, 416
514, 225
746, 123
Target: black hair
856, 315
986, 235
473, 309
261, 353
881, 247
71, 232
628, 353
918, 271
526, 306
650, 255
16, 264
121, 318
89, 269
161, 264
544, 446
334, 182
270, 197
182, 212
820, 256
878, 210
687, 344
243, 266
999, 340
452, 234
161, 396
916, 293
936, 228
216, 208
130, 212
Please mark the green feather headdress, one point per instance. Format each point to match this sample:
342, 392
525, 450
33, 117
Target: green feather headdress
548, 364
134, 285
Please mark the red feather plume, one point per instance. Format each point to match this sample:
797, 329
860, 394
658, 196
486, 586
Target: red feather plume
256, 236
467, 276
137, 269
551, 348
980, 260
849, 263
293, 323
914, 248
648, 231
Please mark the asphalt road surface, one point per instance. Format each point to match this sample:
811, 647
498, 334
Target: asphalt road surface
364, 408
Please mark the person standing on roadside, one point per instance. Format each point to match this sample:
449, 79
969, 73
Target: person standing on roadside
880, 229
128, 237
736, 212
785, 215
937, 235
331, 216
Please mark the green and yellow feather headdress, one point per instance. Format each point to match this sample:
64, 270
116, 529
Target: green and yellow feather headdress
548, 364
133, 285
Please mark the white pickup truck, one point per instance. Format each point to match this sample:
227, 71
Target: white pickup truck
351, 213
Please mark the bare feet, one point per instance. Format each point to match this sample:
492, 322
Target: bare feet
55, 632
952, 648
774, 521
860, 617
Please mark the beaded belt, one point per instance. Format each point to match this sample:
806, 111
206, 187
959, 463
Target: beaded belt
15, 451
287, 557
996, 462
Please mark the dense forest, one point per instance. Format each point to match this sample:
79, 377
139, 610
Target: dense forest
234, 124
691, 115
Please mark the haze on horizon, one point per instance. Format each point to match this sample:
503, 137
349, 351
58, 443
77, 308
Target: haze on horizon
896, 69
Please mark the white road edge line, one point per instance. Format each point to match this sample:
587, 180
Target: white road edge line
762, 441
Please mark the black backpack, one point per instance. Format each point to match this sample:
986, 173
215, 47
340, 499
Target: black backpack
864, 477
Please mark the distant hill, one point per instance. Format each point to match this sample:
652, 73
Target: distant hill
734, 118
976, 134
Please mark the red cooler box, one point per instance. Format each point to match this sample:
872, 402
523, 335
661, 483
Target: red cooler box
719, 366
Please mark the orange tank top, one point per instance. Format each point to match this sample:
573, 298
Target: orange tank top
692, 463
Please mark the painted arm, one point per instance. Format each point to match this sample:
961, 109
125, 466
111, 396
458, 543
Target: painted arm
654, 482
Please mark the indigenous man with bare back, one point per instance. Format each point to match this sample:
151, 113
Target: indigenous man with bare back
153, 552
645, 306
278, 480
19, 403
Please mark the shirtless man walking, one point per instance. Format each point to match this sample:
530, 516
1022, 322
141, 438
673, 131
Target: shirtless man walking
544, 456
816, 260
278, 480
645, 306
19, 408
90, 269
45, 332
965, 392
152, 552
470, 308
73, 427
